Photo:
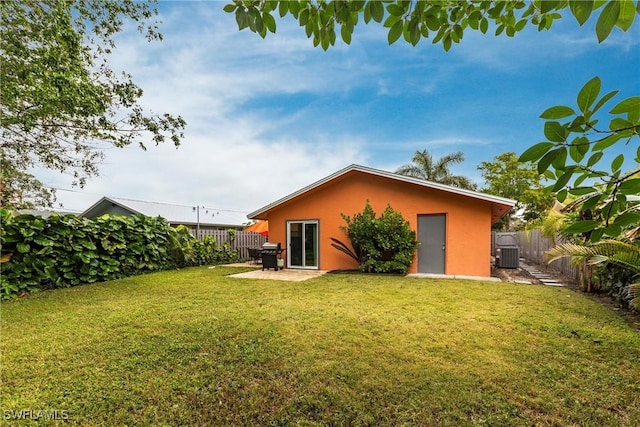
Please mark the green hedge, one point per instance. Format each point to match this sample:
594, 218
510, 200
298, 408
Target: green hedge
62, 251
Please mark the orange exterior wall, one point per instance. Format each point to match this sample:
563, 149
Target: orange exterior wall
468, 220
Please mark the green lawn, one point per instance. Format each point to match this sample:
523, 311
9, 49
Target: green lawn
194, 347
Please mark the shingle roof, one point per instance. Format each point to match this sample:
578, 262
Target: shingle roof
174, 214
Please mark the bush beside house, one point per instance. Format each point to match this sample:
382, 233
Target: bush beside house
384, 244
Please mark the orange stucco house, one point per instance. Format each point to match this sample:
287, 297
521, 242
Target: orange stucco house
452, 225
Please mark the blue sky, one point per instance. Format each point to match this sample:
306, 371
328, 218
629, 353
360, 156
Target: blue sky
267, 117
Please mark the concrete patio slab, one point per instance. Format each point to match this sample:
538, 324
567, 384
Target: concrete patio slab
287, 275
446, 276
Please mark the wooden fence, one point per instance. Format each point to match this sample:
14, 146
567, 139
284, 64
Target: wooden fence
533, 246
242, 241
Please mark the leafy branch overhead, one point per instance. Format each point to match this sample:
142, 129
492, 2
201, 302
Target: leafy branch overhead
62, 103
442, 21
572, 154
573, 158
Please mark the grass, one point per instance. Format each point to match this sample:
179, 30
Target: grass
195, 347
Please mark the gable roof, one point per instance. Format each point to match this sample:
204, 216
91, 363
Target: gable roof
500, 205
174, 214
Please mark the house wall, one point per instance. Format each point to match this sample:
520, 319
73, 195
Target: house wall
468, 220
110, 209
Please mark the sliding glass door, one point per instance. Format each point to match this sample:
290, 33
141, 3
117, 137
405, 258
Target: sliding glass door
302, 244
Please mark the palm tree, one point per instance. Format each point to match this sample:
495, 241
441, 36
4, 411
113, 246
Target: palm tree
423, 166
625, 254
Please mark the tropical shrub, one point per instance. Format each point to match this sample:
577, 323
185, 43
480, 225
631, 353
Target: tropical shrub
62, 251
615, 280
380, 245
618, 264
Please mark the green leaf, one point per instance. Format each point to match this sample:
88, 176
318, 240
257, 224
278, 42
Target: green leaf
588, 94
270, 22
484, 25
521, 24
626, 106
432, 22
547, 159
229, 7
43, 241
604, 99
345, 34
557, 112
377, 11
446, 42
581, 191
367, 13
560, 159
580, 227
555, 132
562, 181
630, 186
304, 17
535, 152
580, 179
577, 125
627, 218
578, 148
626, 16
595, 158
607, 142
610, 209
607, 20
283, 8
242, 19
294, 8
23, 248
596, 235
414, 32
613, 230
616, 164
395, 32
395, 9
581, 10
561, 195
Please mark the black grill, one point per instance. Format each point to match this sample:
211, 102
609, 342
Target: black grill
271, 253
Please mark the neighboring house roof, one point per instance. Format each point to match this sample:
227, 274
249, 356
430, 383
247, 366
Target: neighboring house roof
500, 205
174, 214
44, 213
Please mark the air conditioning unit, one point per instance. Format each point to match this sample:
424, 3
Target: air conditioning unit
508, 257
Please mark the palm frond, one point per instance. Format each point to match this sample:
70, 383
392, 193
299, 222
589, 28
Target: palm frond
577, 253
411, 170
633, 295
617, 252
630, 260
342, 247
